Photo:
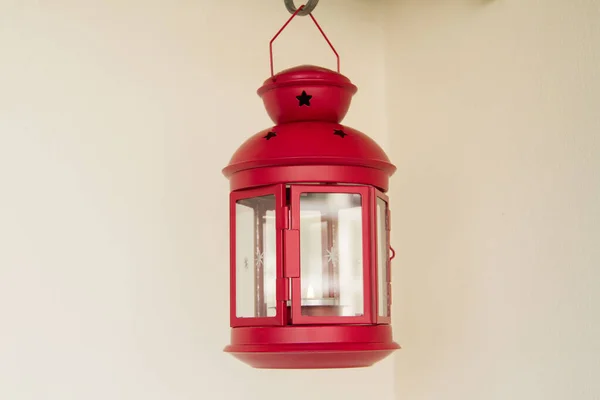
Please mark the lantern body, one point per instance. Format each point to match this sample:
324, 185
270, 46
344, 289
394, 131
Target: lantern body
310, 223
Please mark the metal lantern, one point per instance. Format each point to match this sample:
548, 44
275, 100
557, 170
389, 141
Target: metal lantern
310, 231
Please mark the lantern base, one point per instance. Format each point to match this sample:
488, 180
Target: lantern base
312, 347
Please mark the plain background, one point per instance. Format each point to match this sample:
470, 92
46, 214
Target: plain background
115, 121
494, 116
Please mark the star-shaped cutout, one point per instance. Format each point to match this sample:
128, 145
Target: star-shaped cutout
270, 135
340, 133
304, 99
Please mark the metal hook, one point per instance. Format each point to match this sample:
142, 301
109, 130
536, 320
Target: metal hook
307, 9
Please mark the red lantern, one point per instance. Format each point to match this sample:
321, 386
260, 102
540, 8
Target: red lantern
310, 224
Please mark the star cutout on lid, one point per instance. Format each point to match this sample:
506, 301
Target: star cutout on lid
340, 133
304, 99
270, 135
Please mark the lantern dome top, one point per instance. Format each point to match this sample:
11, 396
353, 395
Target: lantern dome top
307, 74
307, 93
308, 142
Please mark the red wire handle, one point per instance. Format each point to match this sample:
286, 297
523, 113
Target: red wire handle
393, 253
320, 30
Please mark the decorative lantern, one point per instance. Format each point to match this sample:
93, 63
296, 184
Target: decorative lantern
310, 231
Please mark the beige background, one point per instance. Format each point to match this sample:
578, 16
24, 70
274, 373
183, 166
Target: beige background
494, 116
116, 118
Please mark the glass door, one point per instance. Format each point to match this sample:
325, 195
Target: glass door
256, 219
334, 280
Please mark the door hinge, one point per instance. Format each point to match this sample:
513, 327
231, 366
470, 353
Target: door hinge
291, 258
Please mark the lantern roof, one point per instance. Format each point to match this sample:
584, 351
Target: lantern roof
308, 103
309, 143
307, 74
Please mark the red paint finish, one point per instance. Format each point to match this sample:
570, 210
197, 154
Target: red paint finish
309, 153
309, 347
320, 84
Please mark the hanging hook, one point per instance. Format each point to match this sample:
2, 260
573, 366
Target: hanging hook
306, 9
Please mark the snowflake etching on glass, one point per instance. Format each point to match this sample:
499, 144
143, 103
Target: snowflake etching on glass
259, 258
332, 255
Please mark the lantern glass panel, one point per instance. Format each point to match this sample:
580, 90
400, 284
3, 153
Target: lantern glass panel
331, 254
382, 259
255, 257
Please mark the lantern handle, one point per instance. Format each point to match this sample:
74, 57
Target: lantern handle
393, 253
318, 27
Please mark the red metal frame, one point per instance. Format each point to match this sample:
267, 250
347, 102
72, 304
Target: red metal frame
280, 201
312, 346
293, 252
382, 319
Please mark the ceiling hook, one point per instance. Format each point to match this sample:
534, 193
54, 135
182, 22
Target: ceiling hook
306, 9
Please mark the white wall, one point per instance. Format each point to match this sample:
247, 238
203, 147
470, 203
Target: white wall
494, 117
115, 121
